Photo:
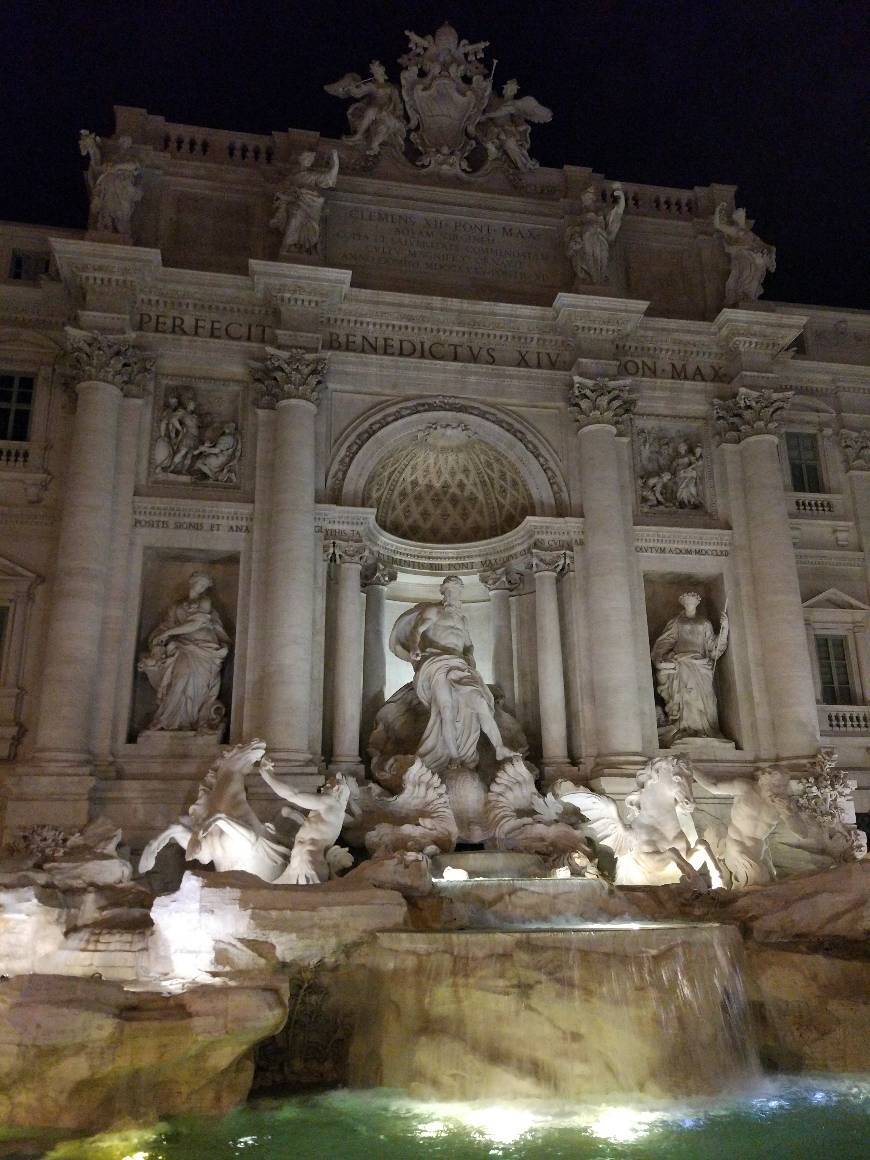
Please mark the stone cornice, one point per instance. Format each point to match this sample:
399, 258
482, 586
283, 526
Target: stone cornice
757, 336
541, 533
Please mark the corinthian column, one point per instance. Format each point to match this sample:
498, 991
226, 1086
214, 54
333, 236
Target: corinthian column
601, 409
106, 368
856, 452
500, 584
347, 663
375, 584
547, 567
750, 419
290, 381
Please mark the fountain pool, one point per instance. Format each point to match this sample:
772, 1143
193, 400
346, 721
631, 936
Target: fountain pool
782, 1119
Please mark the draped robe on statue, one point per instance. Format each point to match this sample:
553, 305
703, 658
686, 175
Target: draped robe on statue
683, 656
457, 697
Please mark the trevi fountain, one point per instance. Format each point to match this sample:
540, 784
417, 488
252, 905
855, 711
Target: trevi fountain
434, 655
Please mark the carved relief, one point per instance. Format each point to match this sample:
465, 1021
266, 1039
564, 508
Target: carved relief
670, 469
856, 449
195, 446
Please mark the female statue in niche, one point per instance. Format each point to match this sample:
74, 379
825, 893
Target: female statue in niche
183, 663
685, 657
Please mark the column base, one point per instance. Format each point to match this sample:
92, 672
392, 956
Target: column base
618, 764
289, 762
350, 766
34, 796
558, 769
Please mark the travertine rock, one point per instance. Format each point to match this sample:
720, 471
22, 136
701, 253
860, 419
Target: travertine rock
83, 1053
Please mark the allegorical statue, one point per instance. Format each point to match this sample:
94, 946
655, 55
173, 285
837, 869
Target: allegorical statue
436, 640
298, 208
376, 116
751, 258
183, 662
114, 186
685, 657
759, 806
504, 130
588, 243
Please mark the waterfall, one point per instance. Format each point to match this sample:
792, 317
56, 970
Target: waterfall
654, 1010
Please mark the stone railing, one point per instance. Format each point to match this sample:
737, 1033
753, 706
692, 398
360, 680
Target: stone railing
805, 503
844, 719
21, 457
654, 199
189, 143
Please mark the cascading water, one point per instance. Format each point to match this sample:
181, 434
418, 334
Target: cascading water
653, 1010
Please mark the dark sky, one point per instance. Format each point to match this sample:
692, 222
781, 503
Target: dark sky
769, 95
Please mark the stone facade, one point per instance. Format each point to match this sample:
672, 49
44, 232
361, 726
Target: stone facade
431, 388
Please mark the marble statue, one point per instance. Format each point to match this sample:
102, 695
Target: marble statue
822, 798
588, 243
221, 827
759, 806
684, 657
750, 257
168, 433
435, 639
376, 116
445, 88
218, 459
186, 431
650, 846
299, 207
526, 821
504, 130
183, 662
419, 818
314, 857
670, 472
114, 186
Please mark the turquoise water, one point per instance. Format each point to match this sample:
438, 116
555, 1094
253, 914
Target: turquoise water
822, 1118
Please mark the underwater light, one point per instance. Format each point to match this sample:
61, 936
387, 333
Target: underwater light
624, 1125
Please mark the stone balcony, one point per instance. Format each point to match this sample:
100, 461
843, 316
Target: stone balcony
24, 463
844, 720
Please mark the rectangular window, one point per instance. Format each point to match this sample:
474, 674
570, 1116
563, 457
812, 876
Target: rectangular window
834, 671
803, 461
28, 265
16, 402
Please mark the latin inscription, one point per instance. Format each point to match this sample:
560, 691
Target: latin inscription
651, 368
190, 326
441, 245
188, 525
442, 351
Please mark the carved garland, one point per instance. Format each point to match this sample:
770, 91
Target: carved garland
340, 468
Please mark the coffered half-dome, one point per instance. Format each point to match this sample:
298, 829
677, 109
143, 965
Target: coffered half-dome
446, 485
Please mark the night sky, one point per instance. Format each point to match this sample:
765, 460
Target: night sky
768, 95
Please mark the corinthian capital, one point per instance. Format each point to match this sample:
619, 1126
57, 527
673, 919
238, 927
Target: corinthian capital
501, 580
558, 562
108, 358
378, 574
594, 402
856, 449
749, 413
289, 374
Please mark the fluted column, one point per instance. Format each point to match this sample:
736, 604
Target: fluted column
106, 368
290, 381
375, 581
547, 567
601, 408
856, 452
751, 419
500, 584
347, 663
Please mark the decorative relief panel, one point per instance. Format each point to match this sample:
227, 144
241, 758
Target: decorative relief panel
197, 437
446, 486
672, 467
